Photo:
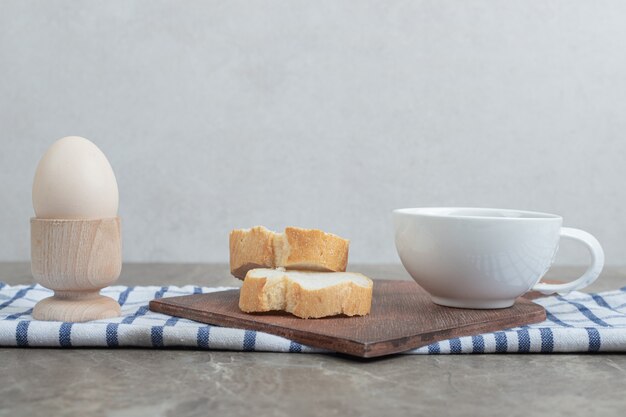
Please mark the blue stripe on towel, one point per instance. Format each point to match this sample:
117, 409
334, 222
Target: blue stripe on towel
249, 340
141, 311
478, 344
595, 341
501, 342
523, 344
156, 336
160, 293
295, 347
111, 335
21, 333
18, 315
203, 337
586, 312
455, 345
434, 348
65, 335
21, 293
600, 301
171, 321
554, 319
547, 340
124, 296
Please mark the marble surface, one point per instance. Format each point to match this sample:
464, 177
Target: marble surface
135, 382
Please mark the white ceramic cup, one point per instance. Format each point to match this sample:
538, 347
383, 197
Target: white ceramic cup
484, 257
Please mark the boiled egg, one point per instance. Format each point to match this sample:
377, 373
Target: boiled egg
74, 180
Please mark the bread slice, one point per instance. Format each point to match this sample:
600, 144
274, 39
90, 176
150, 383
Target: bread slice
296, 248
306, 294
251, 248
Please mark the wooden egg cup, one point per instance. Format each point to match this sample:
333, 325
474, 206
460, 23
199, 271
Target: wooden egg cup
76, 259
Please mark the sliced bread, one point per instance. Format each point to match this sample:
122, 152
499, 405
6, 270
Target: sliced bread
296, 248
306, 294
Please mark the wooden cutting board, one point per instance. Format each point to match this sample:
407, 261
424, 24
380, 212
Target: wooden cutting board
402, 318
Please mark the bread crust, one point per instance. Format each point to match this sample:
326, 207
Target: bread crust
249, 249
345, 298
315, 250
296, 248
251, 296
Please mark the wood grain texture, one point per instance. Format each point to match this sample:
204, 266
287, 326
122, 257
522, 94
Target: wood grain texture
76, 258
402, 318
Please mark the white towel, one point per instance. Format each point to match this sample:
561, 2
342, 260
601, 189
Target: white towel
577, 322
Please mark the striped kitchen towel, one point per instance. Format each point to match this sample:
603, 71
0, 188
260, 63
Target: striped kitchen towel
577, 322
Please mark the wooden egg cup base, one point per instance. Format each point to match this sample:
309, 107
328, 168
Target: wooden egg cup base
78, 307
76, 259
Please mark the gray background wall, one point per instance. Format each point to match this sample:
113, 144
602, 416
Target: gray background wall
328, 114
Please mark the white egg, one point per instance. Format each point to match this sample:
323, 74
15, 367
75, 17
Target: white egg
74, 180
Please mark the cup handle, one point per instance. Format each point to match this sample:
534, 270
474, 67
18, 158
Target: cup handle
590, 275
